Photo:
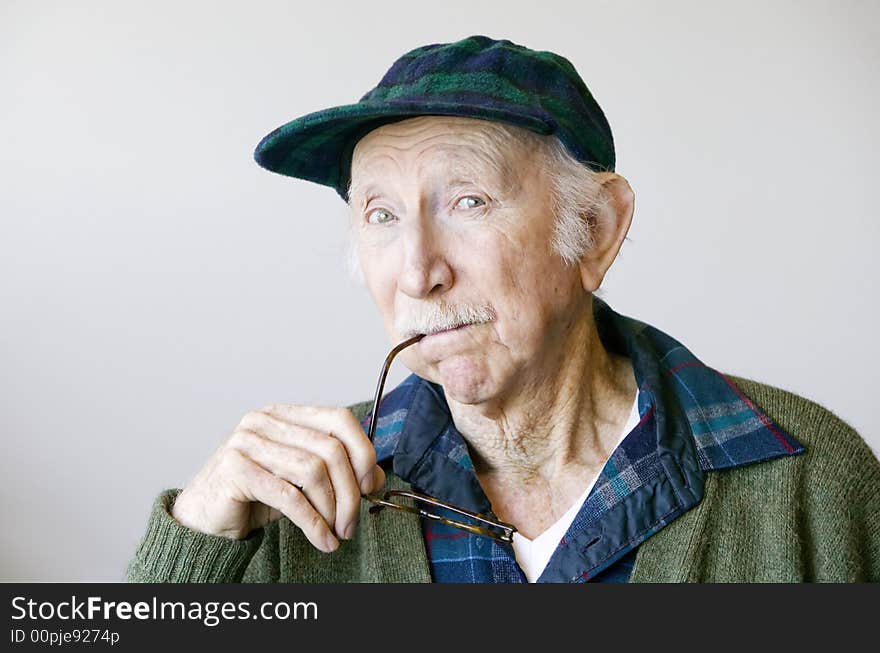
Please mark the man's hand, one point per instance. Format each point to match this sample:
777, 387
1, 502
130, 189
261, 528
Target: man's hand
307, 463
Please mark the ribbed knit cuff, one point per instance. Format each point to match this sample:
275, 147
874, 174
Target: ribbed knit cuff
172, 553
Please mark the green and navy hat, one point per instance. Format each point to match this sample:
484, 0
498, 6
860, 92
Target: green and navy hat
477, 77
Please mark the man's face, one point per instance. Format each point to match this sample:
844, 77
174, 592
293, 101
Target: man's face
448, 234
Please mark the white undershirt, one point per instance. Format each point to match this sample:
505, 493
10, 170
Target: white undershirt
533, 555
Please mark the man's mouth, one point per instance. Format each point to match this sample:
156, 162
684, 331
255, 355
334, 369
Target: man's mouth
439, 337
434, 332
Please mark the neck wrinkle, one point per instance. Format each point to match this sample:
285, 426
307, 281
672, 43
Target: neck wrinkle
557, 426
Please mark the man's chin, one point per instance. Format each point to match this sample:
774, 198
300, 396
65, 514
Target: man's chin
463, 380
467, 396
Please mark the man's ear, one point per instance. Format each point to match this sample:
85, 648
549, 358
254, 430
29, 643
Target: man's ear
610, 227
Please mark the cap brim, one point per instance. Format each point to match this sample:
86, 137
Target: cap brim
318, 147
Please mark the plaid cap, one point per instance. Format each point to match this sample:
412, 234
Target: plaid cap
477, 77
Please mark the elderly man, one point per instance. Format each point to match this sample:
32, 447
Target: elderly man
541, 436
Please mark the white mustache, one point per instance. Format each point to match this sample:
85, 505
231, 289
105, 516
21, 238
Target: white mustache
433, 318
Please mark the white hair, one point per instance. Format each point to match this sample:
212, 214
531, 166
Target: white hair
580, 202
425, 317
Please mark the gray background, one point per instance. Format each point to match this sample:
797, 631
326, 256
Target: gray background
155, 284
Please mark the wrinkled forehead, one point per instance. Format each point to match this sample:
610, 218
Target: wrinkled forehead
435, 148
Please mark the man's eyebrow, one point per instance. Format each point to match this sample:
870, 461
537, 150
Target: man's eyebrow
469, 164
357, 191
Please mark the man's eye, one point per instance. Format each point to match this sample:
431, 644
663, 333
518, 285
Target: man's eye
379, 216
469, 202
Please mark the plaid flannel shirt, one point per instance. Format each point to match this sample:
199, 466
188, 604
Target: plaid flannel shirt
693, 420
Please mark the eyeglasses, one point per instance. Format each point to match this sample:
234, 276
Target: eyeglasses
485, 525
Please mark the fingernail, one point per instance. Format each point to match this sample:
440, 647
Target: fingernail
349, 532
367, 483
330, 543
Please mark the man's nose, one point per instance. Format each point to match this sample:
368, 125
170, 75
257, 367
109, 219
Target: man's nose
426, 271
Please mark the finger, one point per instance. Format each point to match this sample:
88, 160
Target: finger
259, 484
341, 424
378, 479
330, 450
300, 467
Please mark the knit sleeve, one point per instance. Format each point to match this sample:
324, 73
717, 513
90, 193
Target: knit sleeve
838, 498
172, 553
856, 538
843, 506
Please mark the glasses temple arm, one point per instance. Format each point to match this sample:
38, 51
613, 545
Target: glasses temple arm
381, 384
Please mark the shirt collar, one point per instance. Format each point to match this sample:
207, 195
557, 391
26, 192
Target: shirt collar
724, 428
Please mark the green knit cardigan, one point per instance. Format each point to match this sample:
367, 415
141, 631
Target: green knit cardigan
812, 517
